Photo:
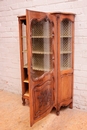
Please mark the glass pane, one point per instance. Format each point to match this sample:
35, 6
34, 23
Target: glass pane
24, 44
41, 29
24, 35
66, 28
65, 61
24, 28
25, 60
41, 47
66, 45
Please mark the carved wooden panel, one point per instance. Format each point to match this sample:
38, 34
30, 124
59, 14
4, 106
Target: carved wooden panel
66, 87
43, 97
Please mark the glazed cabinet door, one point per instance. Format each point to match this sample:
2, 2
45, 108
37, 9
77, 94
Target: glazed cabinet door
40, 33
66, 56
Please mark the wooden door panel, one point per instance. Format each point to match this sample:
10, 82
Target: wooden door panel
41, 38
66, 87
43, 97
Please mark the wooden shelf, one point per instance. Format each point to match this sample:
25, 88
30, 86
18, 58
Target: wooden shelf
41, 69
23, 36
26, 66
65, 36
65, 52
24, 51
26, 80
41, 36
38, 52
26, 93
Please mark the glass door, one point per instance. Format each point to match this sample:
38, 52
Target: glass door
41, 47
40, 30
66, 45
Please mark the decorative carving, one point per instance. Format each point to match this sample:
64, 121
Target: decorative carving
44, 98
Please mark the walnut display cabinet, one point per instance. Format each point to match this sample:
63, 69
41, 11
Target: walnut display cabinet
47, 58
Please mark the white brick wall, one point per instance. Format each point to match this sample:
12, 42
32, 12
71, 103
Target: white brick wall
9, 42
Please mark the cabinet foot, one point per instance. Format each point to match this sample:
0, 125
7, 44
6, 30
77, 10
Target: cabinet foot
71, 105
57, 112
23, 101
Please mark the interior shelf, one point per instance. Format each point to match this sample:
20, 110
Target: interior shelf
26, 66
41, 36
38, 52
26, 93
41, 69
24, 51
65, 36
23, 36
65, 52
26, 80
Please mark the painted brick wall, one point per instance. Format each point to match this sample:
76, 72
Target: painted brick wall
9, 43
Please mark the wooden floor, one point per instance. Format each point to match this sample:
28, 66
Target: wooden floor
15, 116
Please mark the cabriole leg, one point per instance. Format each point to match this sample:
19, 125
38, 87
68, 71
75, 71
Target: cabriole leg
23, 101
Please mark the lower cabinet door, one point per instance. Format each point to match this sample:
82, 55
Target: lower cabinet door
42, 100
66, 87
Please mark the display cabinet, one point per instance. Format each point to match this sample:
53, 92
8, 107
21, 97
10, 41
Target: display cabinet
47, 56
